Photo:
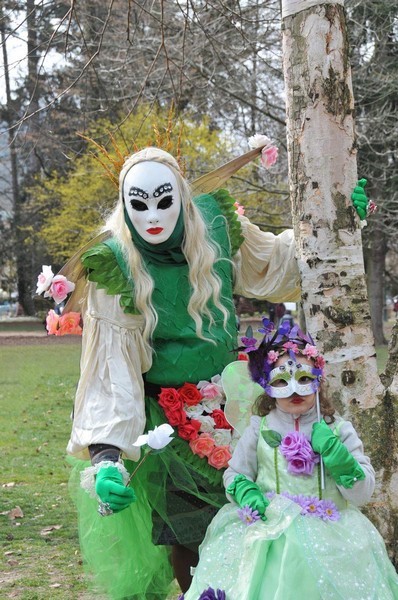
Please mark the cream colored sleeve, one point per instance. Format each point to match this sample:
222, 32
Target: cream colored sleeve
266, 266
109, 404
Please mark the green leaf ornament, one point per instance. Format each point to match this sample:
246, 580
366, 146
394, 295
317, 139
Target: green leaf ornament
273, 438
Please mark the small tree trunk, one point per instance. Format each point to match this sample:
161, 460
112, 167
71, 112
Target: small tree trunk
322, 165
376, 266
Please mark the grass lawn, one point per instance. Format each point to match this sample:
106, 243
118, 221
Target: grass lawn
40, 557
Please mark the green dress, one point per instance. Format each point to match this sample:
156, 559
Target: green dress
294, 556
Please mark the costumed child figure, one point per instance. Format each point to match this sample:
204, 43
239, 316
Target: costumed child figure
292, 528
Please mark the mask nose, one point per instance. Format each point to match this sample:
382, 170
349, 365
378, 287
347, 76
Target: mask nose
153, 218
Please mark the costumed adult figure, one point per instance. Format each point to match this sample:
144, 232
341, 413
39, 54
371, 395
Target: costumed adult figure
158, 313
159, 328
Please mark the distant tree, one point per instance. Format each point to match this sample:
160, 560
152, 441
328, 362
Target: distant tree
374, 42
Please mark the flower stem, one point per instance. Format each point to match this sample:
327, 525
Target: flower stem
143, 459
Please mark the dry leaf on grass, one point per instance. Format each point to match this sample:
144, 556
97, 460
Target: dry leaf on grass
47, 530
15, 513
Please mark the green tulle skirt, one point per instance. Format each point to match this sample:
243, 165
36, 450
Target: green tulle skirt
294, 557
127, 555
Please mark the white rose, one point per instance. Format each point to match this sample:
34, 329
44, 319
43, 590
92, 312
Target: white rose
207, 425
44, 279
222, 437
193, 412
258, 141
211, 404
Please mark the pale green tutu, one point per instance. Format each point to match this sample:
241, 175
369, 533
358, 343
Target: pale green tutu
294, 557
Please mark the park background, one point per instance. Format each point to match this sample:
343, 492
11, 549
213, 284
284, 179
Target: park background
208, 75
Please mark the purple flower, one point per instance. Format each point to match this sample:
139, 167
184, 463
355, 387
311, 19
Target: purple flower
250, 343
311, 506
211, 594
299, 454
267, 327
300, 466
248, 515
329, 511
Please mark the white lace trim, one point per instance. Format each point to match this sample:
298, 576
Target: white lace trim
87, 477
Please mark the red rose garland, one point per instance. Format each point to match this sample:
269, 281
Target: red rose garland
196, 412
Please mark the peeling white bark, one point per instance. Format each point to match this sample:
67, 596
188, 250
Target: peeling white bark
322, 164
291, 7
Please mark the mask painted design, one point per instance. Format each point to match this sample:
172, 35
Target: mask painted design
152, 200
292, 378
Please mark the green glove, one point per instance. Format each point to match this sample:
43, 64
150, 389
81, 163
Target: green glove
342, 466
360, 199
247, 493
110, 488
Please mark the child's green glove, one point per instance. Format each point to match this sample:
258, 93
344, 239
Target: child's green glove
360, 199
247, 493
111, 490
342, 466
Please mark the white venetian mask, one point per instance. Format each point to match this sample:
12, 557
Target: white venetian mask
292, 378
152, 200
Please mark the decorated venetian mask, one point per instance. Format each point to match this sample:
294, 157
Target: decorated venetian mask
152, 200
292, 378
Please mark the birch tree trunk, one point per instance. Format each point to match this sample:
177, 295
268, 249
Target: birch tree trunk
322, 175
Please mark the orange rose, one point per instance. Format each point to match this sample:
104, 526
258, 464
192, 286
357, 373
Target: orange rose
190, 394
170, 401
202, 445
219, 457
69, 324
52, 323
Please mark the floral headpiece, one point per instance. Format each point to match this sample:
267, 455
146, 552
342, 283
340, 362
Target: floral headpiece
289, 340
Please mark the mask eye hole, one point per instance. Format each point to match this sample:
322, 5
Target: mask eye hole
138, 205
165, 202
279, 383
304, 379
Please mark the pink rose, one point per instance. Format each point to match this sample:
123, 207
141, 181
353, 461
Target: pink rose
310, 351
291, 346
219, 457
190, 394
239, 208
52, 323
211, 391
69, 324
272, 356
319, 362
59, 289
269, 156
202, 445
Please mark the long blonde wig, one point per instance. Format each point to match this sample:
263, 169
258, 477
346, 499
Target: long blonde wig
200, 252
